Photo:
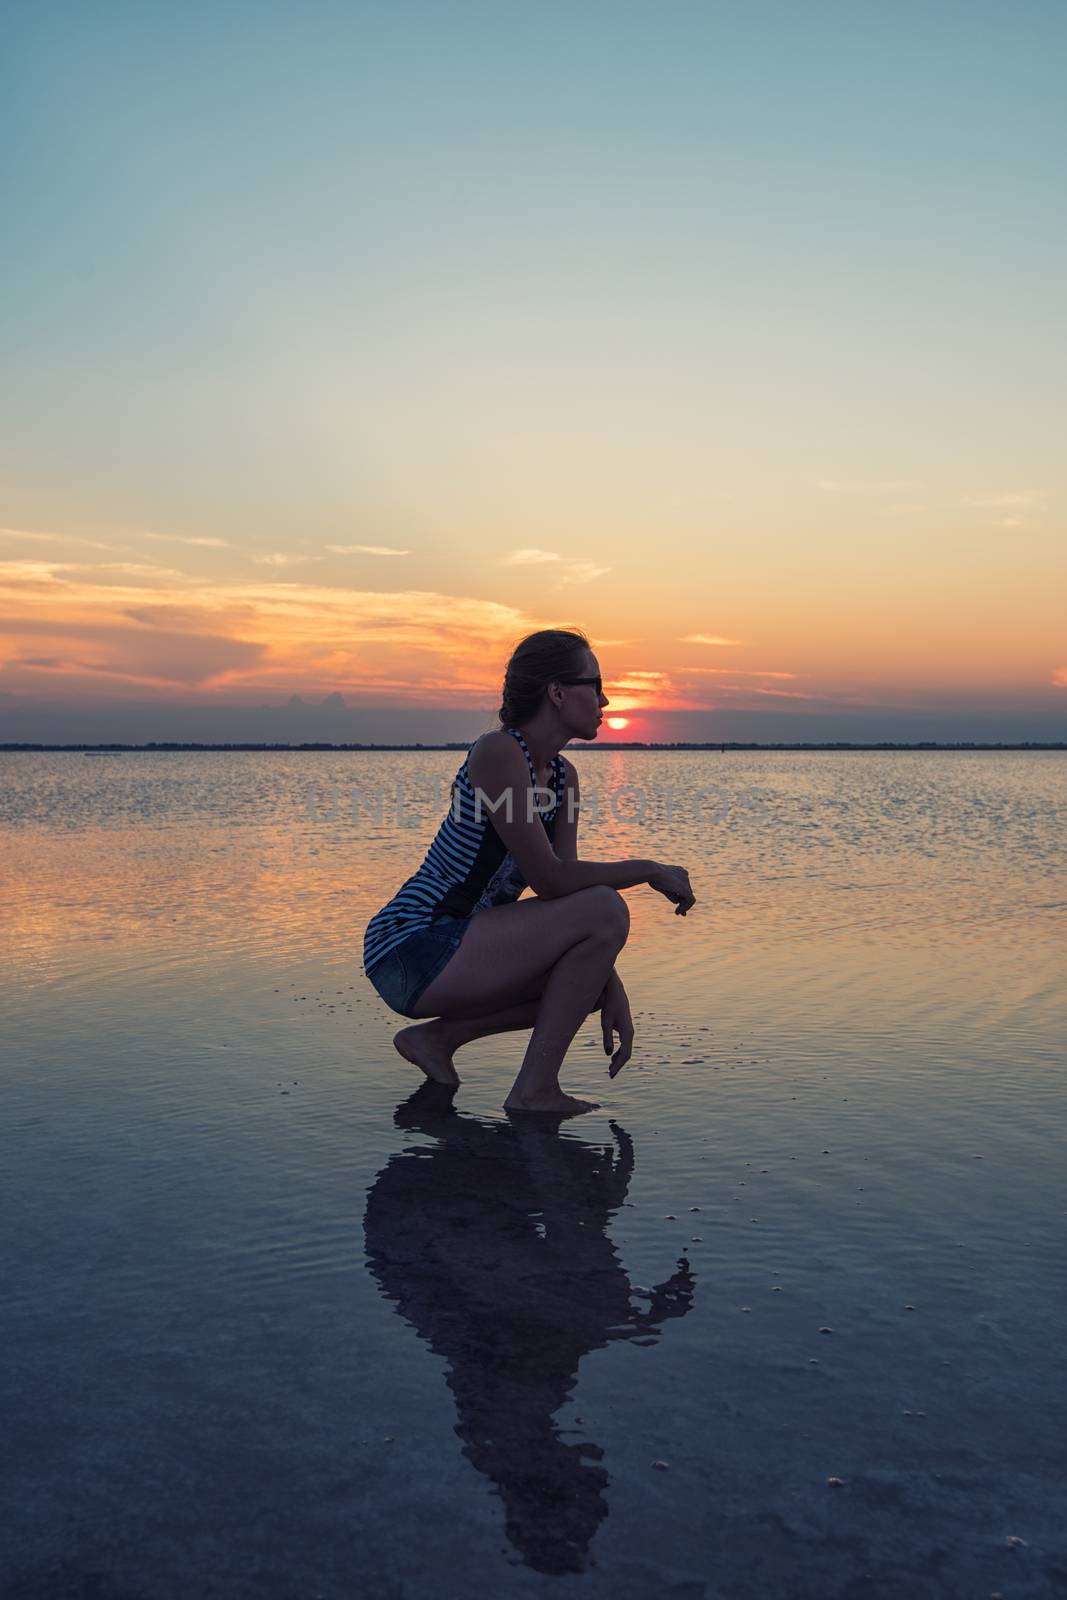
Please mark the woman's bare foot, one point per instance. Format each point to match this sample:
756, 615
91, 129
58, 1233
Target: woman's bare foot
425, 1046
550, 1100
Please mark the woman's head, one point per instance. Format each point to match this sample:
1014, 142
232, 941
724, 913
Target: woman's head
541, 674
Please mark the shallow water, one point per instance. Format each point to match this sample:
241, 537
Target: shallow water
277, 1325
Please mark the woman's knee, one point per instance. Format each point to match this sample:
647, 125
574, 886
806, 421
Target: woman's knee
610, 913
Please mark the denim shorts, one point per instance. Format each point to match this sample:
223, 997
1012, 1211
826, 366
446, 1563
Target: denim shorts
402, 975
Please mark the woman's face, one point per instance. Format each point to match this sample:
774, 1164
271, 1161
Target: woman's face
584, 703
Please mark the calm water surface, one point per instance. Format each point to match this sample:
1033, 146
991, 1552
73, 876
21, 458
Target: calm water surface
277, 1325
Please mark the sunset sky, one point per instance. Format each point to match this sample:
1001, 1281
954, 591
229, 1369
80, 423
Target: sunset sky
343, 344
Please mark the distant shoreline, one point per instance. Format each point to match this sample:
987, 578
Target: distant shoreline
165, 747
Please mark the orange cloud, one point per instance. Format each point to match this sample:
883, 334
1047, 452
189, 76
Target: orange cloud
144, 656
785, 694
738, 672
169, 629
365, 550
646, 690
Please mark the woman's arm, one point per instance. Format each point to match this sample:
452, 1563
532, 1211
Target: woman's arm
501, 780
497, 769
565, 829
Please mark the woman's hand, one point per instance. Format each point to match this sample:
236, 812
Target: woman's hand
674, 883
615, 1019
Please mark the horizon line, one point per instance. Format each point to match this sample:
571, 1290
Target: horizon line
311, 746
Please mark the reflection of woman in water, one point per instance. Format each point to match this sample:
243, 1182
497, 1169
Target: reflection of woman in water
456, 944
492, 1243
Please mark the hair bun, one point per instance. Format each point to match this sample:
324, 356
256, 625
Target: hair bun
535, 662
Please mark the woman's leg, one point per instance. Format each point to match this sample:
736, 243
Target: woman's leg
567, 947
569, 996
508, 952
431, 1045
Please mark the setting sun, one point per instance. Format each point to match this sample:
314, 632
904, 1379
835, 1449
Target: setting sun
618, 722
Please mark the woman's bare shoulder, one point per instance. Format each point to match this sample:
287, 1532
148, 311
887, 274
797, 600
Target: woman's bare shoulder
488, 743
492, 749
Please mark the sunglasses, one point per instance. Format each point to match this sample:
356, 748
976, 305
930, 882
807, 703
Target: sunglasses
573, 682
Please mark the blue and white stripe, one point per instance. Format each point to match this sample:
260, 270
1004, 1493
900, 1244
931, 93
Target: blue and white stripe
465, 870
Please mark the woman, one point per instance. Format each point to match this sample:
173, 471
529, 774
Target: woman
457, 944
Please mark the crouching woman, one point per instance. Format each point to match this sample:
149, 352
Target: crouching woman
457, 945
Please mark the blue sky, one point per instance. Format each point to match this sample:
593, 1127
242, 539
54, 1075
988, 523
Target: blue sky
750, 316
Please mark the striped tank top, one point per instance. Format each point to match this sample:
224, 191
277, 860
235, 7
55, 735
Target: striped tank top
466, 869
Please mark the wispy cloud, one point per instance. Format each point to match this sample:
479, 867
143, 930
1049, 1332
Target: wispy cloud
132, 569
152, 628
105, 648
203, 543
737, 695
365, 550
1014, 500
708, 638
583, 572
641, 680
643, 689
27, 571
114, 549
571, 569
58, 538
530, 558
737, 672
283, 558
785, 694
